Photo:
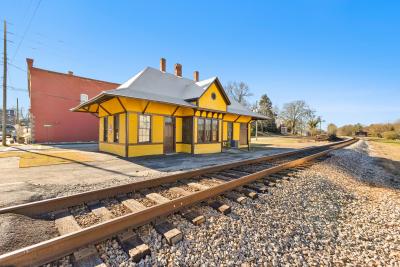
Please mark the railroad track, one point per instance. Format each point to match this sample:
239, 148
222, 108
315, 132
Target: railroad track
89, 218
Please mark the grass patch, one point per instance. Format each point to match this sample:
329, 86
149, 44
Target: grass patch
383, 140
34, 159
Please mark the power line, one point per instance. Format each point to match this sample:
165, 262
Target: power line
17, 89
17, 67
13, 88
26, 30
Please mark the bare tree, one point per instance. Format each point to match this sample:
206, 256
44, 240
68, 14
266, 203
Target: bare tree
332, 129
240, 91
295, 114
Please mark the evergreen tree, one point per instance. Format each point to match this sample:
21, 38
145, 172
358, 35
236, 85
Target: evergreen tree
265, 108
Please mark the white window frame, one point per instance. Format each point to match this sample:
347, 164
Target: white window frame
84, 98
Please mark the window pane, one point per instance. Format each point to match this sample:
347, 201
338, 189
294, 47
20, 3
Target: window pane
105, 129
144, 128
116, 128
200, 130
187, 130
215, 130
208, 130
84, 98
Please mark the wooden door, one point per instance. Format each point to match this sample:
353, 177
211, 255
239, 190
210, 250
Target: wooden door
169, 146
243, 134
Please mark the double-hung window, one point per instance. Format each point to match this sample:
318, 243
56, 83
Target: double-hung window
144, 129
116, 128
105, 129
207, 130
84, 98
214, 135
200, 130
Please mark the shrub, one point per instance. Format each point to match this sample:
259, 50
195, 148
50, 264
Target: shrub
391, 135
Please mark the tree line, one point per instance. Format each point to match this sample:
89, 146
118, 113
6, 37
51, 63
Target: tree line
382, 130
296, 116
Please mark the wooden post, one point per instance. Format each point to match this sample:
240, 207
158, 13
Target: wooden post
256, 130
126, 134
5, 86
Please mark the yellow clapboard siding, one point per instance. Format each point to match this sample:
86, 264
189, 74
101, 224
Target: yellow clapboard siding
133, 127
186, 148
178, 129
117, 149
225, 131
207, 148
145, 150
206, 101
236, 131
122, 128
157, 129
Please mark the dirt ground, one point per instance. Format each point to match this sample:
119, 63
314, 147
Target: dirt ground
17, 231
387, 155
55, 174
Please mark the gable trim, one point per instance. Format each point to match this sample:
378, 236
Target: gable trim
220, 89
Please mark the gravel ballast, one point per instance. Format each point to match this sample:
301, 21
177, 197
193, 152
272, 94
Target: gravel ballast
340, 211
343, 211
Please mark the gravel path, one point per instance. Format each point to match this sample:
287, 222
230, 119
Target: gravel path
341, 211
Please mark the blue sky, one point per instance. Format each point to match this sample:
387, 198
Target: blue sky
340, 56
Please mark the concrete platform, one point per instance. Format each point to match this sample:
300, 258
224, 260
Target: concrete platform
21, 185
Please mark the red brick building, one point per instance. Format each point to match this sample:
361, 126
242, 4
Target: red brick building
52, 94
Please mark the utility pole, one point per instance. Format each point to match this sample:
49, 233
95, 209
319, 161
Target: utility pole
4, 141
17, 122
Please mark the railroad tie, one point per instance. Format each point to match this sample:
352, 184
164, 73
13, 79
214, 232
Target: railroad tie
193, 216
219, 206
231, 175
133, 245
88, 256
269, 183
198, 186
220, 176
180, 191
159, 199
170, 233
235, 197
131, 204
100, 210
249, 193
65, 222
241, 173
260, 188
241, 170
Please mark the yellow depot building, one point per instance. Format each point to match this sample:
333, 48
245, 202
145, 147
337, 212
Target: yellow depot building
156, 113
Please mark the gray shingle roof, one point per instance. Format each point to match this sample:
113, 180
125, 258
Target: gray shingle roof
155, 85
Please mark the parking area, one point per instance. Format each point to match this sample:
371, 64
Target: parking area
35, 172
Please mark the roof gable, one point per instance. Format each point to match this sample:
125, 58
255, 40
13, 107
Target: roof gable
206, 84
212, 99
154, 85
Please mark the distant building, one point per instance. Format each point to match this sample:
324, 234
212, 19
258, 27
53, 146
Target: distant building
284, 129
361, 134
52, 94
11, 116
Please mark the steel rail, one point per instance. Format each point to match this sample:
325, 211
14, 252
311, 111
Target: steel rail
52, 204
58, 247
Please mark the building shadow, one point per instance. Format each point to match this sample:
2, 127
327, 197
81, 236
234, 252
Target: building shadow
185, 161
85, 164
